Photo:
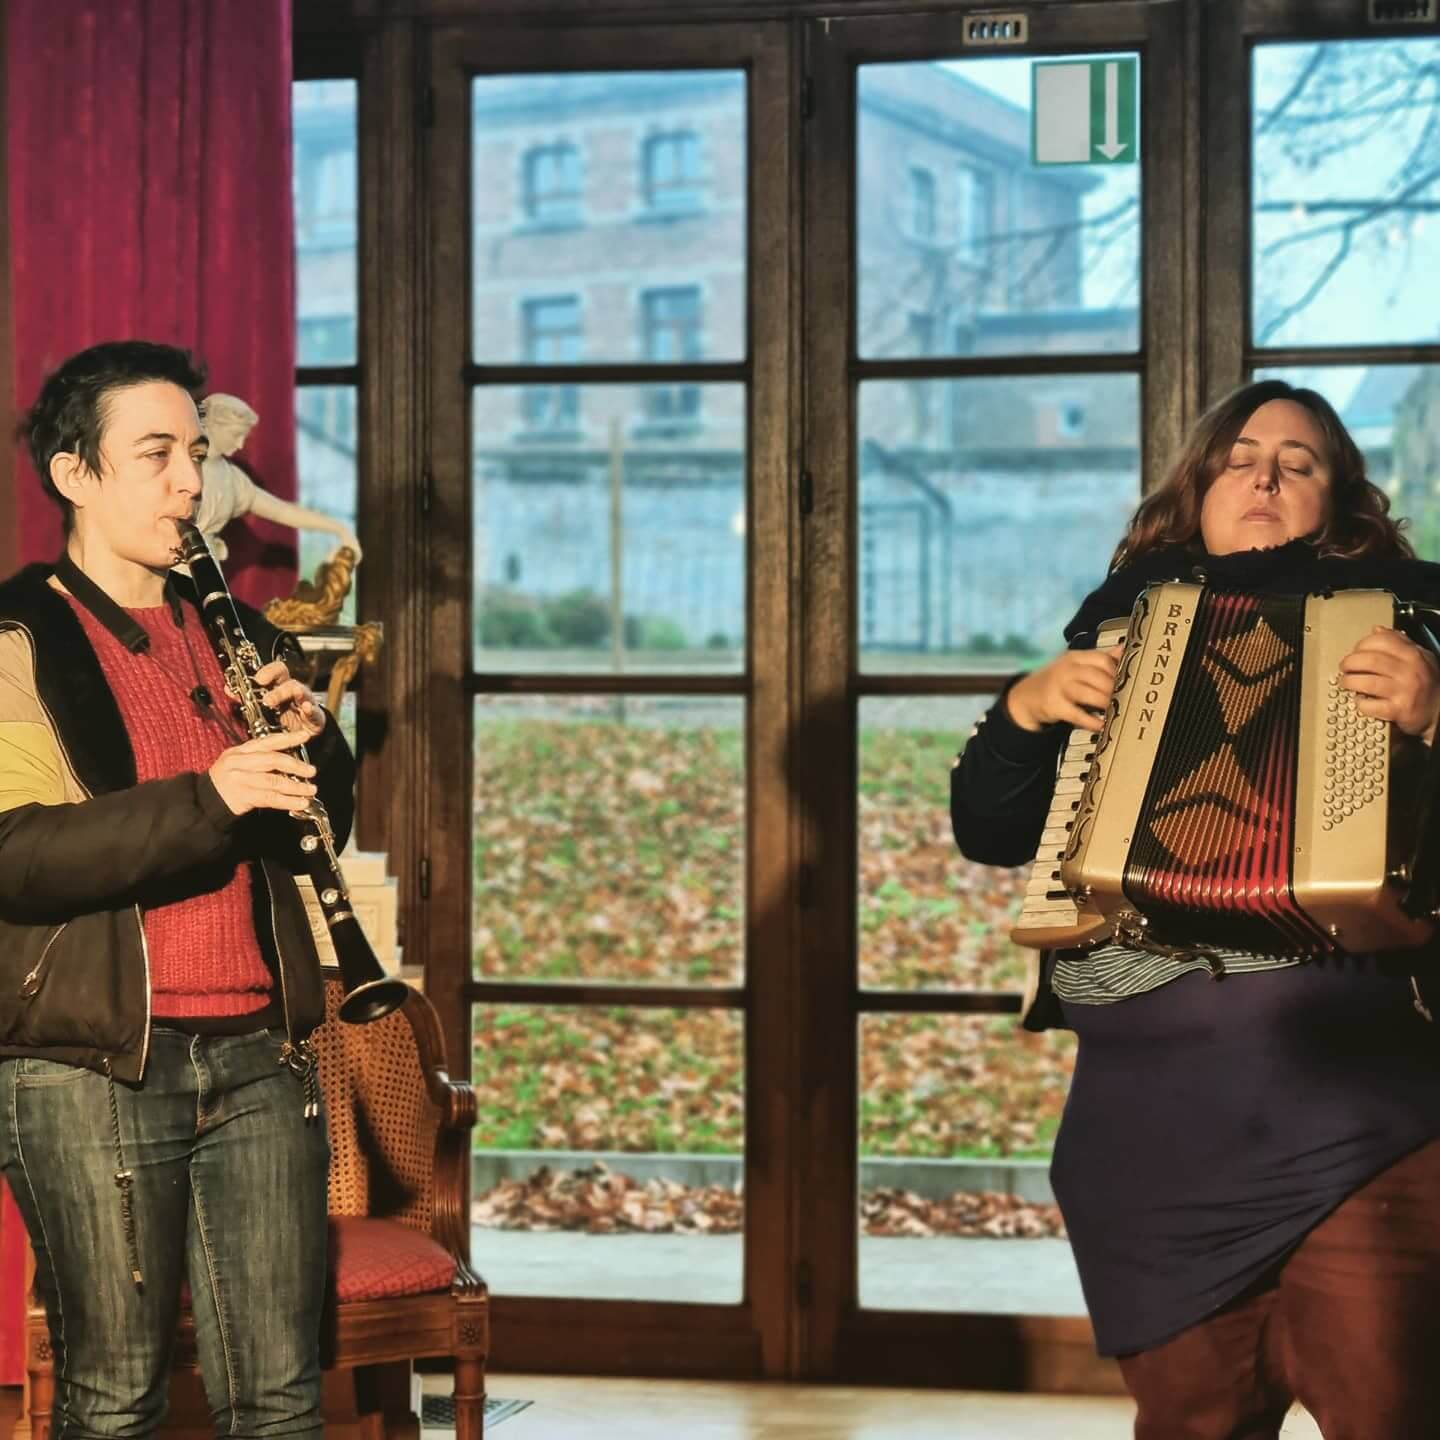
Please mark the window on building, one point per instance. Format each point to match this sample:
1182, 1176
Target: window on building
670, 320
551, 337
922, 203
973, 192
552, 183
1070, 419
673, 181
672, 323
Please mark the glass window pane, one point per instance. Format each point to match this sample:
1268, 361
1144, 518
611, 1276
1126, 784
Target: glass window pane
958, 1115
325, 440
966, 247
635, 874
988, 510
598, 188
1346, 238
325, 453
929, 919
326, 225
608, 1151
610, 526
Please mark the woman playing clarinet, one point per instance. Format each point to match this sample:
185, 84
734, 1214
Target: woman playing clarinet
159, 977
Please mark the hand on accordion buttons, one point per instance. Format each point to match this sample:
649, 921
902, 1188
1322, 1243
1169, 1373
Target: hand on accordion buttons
290, 700
1074, 687
1393, 679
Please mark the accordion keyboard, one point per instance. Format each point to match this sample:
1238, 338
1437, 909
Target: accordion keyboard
1049, 917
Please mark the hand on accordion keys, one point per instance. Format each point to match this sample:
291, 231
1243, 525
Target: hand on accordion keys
1074, 687
1394, 679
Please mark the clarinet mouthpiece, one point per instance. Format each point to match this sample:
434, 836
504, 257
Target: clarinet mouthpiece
192, 543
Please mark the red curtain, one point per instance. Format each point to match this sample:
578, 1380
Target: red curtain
148, 146
148, 151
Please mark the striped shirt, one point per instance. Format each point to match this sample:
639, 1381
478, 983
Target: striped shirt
1116, 972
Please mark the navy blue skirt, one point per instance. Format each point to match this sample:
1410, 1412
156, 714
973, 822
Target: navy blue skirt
1211, 1124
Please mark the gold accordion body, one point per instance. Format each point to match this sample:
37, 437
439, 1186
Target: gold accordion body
1235, 797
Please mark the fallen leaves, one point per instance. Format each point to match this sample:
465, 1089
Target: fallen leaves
596, 1200
613, 849
600, 1201
980, 1213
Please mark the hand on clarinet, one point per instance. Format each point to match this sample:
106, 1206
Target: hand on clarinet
261, 774
290, 700
1074, 687
1393, 678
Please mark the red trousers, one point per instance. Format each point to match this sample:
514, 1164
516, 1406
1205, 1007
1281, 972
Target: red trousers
1349, 1325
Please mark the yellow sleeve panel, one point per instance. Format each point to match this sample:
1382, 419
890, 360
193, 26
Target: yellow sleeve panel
30, 768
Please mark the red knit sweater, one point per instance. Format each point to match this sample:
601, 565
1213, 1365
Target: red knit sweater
205, 959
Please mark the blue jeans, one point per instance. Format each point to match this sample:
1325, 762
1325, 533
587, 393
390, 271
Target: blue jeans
229, 1193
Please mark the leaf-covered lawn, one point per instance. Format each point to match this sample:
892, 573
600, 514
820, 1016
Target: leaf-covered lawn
614, 851
601, 1201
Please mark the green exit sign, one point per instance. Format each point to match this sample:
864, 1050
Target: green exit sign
1084, 112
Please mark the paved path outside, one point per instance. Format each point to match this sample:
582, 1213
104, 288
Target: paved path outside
1025, 1277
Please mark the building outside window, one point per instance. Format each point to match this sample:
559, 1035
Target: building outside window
922, 203
671, 321
325, 167
325, 416
327, 339
552, 184
973, 201
324, 191
551, 337
672, 176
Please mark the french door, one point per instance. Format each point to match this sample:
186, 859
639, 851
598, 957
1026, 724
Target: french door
785, 388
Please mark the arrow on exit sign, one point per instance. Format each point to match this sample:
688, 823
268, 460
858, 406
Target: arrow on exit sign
1083, 112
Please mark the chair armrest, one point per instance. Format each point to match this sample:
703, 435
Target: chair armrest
450, 1220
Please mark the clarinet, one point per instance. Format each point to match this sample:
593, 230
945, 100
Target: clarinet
370, 994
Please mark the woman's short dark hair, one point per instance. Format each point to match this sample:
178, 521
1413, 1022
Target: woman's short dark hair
71, 410
1359, 523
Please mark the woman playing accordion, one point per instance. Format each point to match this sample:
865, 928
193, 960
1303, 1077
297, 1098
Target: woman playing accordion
1247, 1169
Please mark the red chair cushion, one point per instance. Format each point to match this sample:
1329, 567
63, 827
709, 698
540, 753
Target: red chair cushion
373, 1259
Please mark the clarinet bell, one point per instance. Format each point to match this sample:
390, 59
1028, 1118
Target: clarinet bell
373, 1000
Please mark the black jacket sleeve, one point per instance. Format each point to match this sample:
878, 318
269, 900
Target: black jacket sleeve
1001, 787
58, 861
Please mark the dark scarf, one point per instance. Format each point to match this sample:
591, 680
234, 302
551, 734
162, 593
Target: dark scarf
1295, 568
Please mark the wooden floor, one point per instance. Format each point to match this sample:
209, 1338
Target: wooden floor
582, 1409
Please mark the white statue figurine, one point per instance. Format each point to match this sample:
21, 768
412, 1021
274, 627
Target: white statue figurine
228, 492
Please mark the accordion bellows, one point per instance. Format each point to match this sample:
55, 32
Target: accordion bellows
1236, 796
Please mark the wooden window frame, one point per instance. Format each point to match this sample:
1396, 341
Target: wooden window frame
748, 1338
1040, 1352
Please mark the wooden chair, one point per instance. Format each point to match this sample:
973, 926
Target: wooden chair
401, 1287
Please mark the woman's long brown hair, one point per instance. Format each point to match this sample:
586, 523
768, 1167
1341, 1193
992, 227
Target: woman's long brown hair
1359, 525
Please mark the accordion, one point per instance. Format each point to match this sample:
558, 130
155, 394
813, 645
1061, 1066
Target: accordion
1235, 796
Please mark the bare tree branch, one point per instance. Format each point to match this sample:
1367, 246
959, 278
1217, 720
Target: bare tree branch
1398, 203
1345, 207
1288, 312
1297, 88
